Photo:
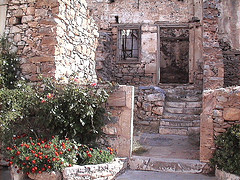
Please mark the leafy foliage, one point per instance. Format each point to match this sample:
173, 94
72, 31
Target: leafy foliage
68, 110
227, 154
9, 65
41, 155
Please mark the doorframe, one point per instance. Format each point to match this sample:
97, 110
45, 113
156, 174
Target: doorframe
192, 43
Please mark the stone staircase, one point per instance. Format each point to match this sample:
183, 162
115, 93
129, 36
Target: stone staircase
182, 110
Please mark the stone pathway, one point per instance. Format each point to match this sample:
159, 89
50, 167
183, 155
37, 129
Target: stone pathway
150, 175
167, 146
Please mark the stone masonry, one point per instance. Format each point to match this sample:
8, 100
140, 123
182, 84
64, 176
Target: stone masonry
54, 38
220, 111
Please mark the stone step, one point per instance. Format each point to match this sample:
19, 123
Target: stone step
165, 130
179, 123
196, 104
188, 117
181, 98
166, 165
194, 111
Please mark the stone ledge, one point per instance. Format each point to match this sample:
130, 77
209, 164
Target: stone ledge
100, 171
222, 175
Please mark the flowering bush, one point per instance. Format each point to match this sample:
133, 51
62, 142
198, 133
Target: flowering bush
68, 110
40, 155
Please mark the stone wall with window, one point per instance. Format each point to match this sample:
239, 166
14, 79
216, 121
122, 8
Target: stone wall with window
54, 38
129, 52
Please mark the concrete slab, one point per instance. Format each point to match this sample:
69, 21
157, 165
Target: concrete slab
150, 175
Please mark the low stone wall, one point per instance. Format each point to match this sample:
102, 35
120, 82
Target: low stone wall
100, 171
119, 130
221, 109
222, 175
149, 103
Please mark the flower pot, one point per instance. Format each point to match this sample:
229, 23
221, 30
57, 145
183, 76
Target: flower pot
46, 176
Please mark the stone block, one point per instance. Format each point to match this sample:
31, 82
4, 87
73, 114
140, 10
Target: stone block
117, 99
157, 110
42, 59
147, 106
150, 68
155, 97
231, 114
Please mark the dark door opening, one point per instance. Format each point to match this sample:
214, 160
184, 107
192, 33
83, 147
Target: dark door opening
174, 55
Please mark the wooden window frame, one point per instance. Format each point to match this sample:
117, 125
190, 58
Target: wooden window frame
130, 27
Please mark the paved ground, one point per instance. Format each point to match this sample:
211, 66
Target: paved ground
5, 174
150, 175
167, 146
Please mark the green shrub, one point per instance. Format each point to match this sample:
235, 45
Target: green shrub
68, 110
9, 65
227, 154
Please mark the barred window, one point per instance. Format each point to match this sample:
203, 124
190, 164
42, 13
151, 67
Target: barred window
128, 44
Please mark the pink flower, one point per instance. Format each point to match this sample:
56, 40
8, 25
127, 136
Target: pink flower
43, 101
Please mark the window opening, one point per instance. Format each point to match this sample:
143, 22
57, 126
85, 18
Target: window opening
129, 44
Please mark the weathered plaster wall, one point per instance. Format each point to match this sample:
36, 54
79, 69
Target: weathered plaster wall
220, 111
53, 38
229, 23
146, 13
3, 12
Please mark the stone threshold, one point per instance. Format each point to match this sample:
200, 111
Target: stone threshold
166, 164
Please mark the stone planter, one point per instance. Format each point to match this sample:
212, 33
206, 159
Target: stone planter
46, 176
222, 175
99, 171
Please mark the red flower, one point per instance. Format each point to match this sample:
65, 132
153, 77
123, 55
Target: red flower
33, 143
27, 173
56, 153
49, 167
43, 169
49, 96
40, 153
33, 152
46, 156
33, 161
40, 157
18, 153
94, 84
69, 150
69, 165
18, 171
27, 158
39, 172
36, 155
43, 101
10, 163
89, 155
24, 164
61, 152
91, 149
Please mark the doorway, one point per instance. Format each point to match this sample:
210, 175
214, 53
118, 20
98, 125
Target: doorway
174, 54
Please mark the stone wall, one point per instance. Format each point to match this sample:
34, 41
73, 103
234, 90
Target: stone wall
147, 15
53, 38
118, 132
212, 53
220, 111
149, 103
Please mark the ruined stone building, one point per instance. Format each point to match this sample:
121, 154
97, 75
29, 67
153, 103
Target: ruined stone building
178, 54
